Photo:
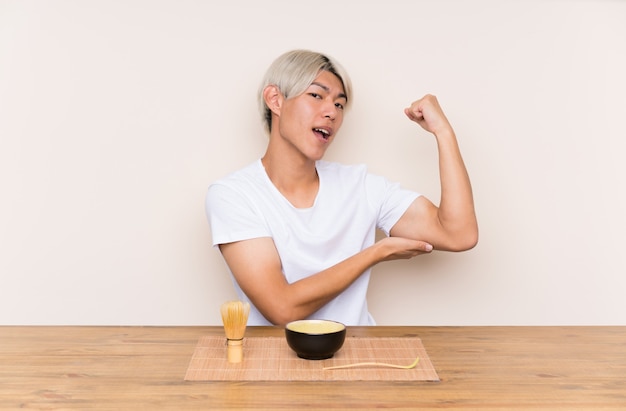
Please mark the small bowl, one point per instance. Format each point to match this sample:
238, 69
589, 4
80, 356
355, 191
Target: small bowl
315, 339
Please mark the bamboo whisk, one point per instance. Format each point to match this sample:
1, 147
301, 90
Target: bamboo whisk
235, 319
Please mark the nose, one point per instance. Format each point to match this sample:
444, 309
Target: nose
330, 111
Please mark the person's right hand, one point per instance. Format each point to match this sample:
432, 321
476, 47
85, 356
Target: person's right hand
399, 248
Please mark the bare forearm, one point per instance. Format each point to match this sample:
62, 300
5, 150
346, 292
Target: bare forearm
451, 225
257, 268
456, 208
306, 296
310, 294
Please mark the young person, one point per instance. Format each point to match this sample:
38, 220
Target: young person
297, 232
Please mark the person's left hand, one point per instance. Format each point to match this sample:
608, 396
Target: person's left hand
428, 114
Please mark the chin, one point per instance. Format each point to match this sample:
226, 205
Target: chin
317, 155
316, 158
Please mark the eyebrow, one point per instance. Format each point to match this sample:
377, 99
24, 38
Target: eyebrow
326, 89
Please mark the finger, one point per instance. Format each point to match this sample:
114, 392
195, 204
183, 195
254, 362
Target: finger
413, 115
423, 246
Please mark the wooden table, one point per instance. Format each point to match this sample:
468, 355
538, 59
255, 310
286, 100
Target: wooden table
129, 368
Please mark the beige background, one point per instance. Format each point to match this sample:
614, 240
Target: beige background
116, 115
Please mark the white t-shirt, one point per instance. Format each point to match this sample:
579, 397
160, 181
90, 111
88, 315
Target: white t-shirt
349, 206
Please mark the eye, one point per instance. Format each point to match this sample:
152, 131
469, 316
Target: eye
315, 95
339, 106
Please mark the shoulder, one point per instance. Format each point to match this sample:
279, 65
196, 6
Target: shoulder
249, 174
241, 180
237, 186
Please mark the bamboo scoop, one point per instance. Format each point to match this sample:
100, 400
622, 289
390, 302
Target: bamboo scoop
374, 364
235, 319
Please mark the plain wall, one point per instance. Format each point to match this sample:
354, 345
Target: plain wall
116, 115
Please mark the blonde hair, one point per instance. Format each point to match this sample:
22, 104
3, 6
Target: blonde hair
294, 71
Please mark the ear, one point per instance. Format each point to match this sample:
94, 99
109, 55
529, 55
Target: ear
273, 98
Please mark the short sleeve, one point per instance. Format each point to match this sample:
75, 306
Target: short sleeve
232, 216
390, 199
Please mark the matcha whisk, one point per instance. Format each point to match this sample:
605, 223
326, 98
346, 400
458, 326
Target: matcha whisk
235, 318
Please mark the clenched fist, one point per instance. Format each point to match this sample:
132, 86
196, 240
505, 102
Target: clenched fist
428, 114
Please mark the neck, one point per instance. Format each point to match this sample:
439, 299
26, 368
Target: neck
288, 171
298, 182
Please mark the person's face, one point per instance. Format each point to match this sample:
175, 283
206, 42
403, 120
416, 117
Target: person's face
310, 121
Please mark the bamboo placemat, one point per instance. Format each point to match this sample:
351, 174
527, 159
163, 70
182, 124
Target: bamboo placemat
271, 359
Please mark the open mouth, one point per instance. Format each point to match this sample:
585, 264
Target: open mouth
322, 133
